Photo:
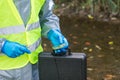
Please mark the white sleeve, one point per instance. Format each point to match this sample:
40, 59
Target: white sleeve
48, 19
1, 43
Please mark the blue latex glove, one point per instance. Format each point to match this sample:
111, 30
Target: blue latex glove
59, 42
13, 49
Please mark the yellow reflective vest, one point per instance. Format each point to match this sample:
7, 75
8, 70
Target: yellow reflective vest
12, 28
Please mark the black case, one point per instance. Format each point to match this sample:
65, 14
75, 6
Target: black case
71, 67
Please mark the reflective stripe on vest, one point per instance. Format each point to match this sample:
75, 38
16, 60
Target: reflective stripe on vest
15, 30
35, 45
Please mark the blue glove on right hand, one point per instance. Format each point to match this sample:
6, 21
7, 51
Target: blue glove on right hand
13, 49
59, 42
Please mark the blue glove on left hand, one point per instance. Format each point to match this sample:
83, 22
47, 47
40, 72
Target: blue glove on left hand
59, 42
14, 49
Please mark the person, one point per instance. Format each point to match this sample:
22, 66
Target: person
22, 24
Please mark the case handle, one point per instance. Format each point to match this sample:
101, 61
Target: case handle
68, 53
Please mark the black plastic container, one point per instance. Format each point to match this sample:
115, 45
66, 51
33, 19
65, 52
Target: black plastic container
70, 67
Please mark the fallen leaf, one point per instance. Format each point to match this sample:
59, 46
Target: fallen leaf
90, 69
85, 48
90, 16
110, 43
109, 77
74, 37
90, 50
75, 42
111, 48
100, 56
98, 47
87, 43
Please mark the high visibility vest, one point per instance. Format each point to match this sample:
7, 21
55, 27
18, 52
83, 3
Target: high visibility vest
12, 28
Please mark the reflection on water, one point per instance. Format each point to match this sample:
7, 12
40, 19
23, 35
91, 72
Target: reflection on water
99, 40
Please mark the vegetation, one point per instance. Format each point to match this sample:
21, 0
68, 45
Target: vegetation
106, 8
112, 6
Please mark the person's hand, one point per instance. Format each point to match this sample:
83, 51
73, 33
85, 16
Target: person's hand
59, 42
13, 49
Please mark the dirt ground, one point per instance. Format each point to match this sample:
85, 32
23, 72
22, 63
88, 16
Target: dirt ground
99, 40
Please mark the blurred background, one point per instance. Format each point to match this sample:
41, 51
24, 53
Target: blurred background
92, 27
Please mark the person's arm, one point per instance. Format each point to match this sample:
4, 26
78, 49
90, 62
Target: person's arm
48, 19
51, 30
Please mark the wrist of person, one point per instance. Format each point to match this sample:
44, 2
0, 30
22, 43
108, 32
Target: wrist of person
2, 41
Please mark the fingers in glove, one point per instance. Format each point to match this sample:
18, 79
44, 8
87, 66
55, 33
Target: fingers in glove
19, 52
13, 56
25, 49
